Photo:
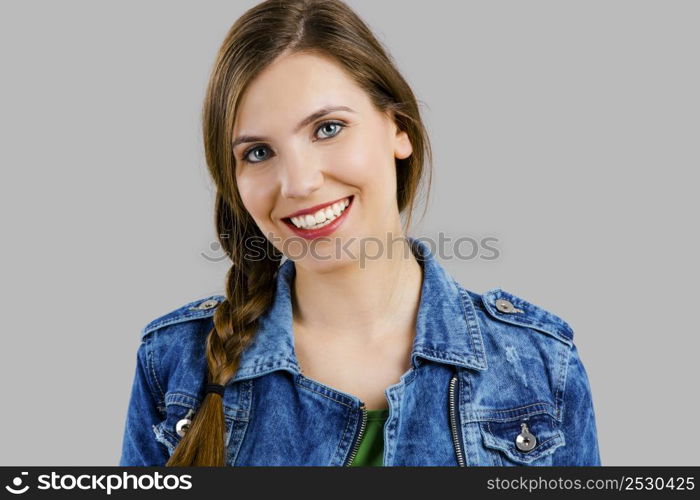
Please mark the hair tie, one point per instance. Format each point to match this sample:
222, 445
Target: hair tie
217, 388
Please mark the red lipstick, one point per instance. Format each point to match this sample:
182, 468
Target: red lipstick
313, 209
326, 230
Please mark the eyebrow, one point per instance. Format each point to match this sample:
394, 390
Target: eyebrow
313, 116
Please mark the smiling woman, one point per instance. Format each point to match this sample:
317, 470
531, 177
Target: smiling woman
345, 150
315, 142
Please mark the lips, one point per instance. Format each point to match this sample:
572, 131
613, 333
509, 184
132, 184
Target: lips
314, 209
326, 230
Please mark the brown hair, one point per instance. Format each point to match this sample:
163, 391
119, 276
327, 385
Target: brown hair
263, 33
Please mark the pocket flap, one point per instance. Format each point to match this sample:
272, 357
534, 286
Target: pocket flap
542, 428
179, 407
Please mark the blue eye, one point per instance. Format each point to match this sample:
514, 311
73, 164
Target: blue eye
327, 123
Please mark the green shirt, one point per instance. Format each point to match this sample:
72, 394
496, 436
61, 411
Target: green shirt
371, 450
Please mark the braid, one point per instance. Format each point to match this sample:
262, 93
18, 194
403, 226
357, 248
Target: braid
249, 292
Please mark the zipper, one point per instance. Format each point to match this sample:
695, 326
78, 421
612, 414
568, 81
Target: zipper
453, 422
358, 438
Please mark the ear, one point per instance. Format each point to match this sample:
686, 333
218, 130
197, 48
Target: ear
402, 145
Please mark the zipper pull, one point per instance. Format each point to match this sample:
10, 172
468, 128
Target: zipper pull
363, 410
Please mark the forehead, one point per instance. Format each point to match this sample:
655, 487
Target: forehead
290, 88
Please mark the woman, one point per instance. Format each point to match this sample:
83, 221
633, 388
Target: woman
359, 349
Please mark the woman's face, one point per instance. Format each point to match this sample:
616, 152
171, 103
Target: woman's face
346, 152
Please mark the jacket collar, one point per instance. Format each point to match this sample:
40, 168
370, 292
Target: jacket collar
446, 326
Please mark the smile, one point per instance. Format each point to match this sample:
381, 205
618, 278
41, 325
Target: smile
321, 217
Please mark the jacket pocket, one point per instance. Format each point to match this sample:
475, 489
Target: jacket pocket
527, 435
180, 409
166, 431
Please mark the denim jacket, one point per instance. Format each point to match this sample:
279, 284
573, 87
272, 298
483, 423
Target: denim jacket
494, 380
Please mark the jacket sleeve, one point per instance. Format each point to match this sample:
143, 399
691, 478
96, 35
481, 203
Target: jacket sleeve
139, 446
579, 422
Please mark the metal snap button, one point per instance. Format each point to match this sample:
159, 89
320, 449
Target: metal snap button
506, 306
525, 441
182, 426
208, 304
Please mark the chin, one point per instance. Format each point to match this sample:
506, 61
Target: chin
323, 265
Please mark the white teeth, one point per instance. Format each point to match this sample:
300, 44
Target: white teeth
324, 216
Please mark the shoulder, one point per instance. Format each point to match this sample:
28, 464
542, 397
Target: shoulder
507, 308
191, 311
172, 347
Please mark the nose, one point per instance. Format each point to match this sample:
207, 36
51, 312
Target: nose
300, 176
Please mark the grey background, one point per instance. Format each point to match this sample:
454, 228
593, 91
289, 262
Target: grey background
568, 130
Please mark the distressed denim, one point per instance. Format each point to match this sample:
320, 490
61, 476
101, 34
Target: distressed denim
484, 379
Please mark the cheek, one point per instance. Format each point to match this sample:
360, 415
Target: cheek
253, 197
362, 163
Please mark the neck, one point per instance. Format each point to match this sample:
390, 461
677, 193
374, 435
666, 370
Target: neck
370, 301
